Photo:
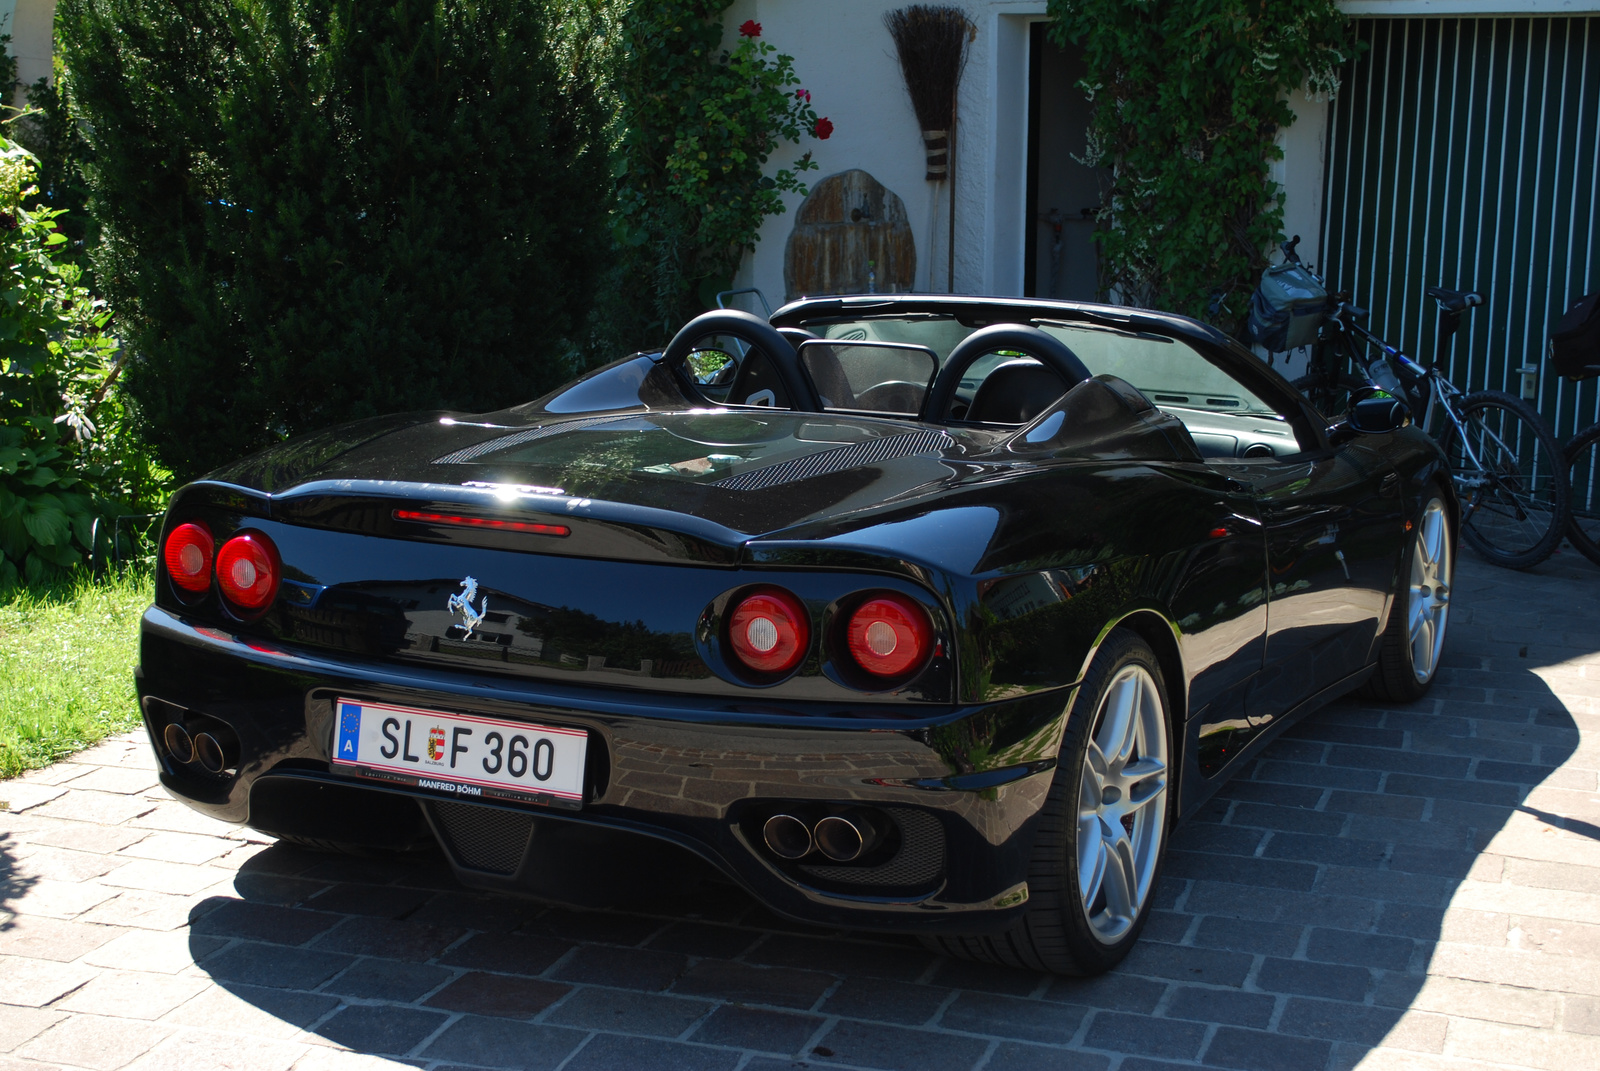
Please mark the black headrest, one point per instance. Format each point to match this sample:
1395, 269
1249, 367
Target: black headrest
1015, 392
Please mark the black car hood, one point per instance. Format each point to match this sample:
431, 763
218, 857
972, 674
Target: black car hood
751, 472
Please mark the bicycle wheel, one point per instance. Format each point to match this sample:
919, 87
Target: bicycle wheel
1330, 397
1583, 485
1511, 479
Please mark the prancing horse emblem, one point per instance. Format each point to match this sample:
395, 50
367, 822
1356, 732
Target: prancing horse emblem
462, 604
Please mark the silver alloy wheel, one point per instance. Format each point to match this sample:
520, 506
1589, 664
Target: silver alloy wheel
1122, 804
1428, 600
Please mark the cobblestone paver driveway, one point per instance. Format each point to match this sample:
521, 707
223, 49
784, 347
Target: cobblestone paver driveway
1409, 888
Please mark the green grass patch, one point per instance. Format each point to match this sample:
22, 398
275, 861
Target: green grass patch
67, 653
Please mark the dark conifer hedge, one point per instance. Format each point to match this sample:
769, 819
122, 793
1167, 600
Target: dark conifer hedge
318, 210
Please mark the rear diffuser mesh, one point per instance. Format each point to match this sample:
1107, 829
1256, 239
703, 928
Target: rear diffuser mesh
483, 838
919, 860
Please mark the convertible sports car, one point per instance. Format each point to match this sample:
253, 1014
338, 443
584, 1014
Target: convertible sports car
903, 612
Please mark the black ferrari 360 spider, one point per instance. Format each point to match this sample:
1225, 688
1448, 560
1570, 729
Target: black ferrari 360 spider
917, 613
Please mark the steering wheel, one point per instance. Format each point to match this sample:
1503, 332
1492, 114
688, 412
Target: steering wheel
892, 396
753, 331
1024, 338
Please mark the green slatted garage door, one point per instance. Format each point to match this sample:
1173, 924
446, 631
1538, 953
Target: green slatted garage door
1466, 153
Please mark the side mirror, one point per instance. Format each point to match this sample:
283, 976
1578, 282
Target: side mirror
1374, 412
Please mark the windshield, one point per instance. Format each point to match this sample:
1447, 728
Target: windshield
1171, 373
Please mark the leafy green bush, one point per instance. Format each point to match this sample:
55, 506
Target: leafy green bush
697, 124
1189, 99
67, 452
318, 210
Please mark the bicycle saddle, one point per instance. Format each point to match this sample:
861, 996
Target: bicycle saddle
1455, 300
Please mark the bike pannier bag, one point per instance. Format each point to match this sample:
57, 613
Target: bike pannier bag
1575, 340
1287, 308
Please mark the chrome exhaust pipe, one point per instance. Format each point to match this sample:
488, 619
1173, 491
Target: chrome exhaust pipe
846, 837
787, 837
180, 745
209, 753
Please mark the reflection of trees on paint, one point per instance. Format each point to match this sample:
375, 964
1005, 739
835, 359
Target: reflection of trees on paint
1010, 735
623, 645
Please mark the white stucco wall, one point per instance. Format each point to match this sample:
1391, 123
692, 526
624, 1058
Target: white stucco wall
31, 24
845, 57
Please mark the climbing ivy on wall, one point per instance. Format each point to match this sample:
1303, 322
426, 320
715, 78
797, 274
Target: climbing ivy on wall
697, 125
1189, 96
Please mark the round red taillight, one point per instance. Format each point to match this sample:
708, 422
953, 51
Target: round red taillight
188, 556
769, 631
247, 570
889, 635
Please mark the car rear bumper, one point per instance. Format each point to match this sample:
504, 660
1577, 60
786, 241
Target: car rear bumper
961, 788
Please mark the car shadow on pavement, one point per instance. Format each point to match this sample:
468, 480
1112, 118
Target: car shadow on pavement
1301, 916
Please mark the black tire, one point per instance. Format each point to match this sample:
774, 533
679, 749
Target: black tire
1583, 492
1330, 398
1514, 509
1400, 675
1056, 933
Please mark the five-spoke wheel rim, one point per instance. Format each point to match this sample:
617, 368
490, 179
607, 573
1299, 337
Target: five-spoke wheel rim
1428, 601
1122, 804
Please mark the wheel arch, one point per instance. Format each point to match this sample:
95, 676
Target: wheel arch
1159, 631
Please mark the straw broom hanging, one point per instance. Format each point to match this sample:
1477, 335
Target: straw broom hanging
932, 45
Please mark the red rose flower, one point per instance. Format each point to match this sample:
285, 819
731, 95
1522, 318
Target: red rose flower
751, 28
823, 128
803, 94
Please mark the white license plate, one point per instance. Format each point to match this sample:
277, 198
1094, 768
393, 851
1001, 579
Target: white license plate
462, 754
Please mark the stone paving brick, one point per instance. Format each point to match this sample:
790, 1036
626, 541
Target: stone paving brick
1255, 1050
46, 938
378, 1029
34, 983
134, 995
57, 899
123, 780
1313, 979
780, 986
1289, 819
192, 1050
1014, 1056
1580, 1015
1114, 992
101, 808
1339, 851
177, 848
854, 958
79, 837
1014, 1017
890, 1002
1222, 1006
757, 1029
1241, 935
895, 1048
388, 980
1366, 949
1497, 1042
152, 876
595, 1008
498, 995
59, 864
475, 1039
263, 922
624, 968
1170, 1039
704, 939
147, 910
508, 953
390, 938
19, 1024
19, 796
94, 1041
254, 1011
608, 1051
252, 963
1211, 966
381, 901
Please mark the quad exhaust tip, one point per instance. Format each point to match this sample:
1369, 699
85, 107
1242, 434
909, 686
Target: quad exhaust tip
179, 743
842, 838
208, 752
788, 837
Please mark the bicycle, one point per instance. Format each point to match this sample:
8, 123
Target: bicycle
1509, 472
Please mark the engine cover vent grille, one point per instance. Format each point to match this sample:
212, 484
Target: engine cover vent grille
871, 452
483, 838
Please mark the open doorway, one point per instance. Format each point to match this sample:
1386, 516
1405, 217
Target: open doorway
1063, 194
